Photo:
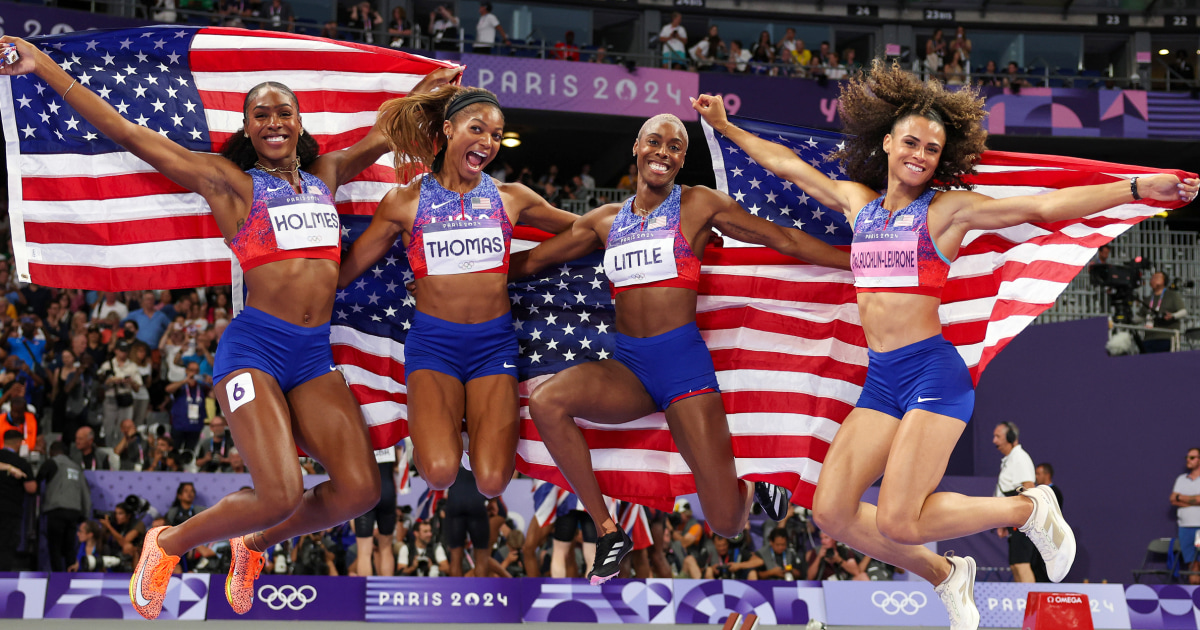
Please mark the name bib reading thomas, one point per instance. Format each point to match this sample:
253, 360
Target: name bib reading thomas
641, 258
884, 258
463, 246
304, 220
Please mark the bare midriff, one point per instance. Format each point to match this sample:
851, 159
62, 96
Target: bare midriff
468, 298
895, 320
297, 290
649, 311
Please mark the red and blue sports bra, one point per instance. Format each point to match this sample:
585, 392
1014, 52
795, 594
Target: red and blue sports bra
650, 251
896, 254
455, 233
286, 224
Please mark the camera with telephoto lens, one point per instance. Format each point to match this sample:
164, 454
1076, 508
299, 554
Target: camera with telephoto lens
1121, 281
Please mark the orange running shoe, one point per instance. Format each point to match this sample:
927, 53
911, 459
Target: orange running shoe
243, 570
148, 585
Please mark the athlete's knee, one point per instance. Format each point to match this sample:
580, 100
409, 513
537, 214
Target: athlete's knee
439, 472
897, 527
726, 523
492, 484
276, 502
546, 403
831, 515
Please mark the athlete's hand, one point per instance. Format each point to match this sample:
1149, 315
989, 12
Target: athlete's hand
28, 57
437, 78
712, 108
1166, 187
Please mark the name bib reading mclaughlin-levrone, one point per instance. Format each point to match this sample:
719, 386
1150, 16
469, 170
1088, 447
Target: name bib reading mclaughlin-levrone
463, 246
641, 258
304, 220
884, 258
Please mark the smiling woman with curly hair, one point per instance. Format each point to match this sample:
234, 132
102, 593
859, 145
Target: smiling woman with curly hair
915, 141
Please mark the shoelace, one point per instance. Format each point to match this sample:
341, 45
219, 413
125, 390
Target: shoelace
160, 577
255, 568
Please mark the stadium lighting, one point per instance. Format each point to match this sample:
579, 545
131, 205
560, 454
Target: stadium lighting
511, 139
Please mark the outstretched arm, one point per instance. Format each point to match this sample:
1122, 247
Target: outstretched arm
581, 239
845, 197
733, 220
972, 211
534, 210
338, 167
376, 240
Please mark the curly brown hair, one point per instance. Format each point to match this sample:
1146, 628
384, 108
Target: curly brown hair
413, 126
871, 105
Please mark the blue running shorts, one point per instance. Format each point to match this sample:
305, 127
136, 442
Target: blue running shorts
291, 354
928, 375
671, 366
464, 351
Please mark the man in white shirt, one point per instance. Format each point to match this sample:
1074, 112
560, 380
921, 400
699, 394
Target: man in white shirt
1186, 496
422, 556
486, 29
673, 38
1016, 472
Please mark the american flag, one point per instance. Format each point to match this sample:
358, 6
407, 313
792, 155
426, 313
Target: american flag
87, 214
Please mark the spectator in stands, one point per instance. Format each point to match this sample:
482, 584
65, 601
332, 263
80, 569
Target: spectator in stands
990, 75
1164, 310
791, 50
163, 11
953, 72
163, 445
935, 53
850, 62
629, 180
687, 531
279, 17
399, 28
95, 345
1012, 78
109, 304
230, 13
502, 172
139, 355
236, 463
508, 553
779, 560
126, 533
601, 56
87, 454
723, 560
444, 28
19, 418
214, 450
184, 506
29, 344
89, 557
421, 556
763, 52
16, 481
70, 387
961, 45
151, 322
330, 30
33, 299
66, 502
585, 176
120, 377
1016, 473
673, 39
132, 449
707, 51
551, 176
1186, 497
486, 29
313, 556
831, 560
567, 50
738, 57
364, 19
187, 406
823, 53
57, 327
834, 69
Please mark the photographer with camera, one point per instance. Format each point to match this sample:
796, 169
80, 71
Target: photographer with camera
132, 449
120, 376
66, 500
727, 561
1164, 309
125, 531
422, 556
312, 556
214, 449
831, 561
780, 561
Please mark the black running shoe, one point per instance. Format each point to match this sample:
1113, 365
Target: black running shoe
773, 499
610, 550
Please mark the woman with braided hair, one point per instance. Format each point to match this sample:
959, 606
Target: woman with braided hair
915, 142
456, 223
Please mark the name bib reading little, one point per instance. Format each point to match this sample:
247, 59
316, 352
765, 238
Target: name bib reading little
304, 220
641, 258
884, 258
463, 246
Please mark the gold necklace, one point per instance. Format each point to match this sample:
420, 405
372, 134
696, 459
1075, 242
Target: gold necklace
294, 170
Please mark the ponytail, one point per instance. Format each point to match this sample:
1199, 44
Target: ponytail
413, 126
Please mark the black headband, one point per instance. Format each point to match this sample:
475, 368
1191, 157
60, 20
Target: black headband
458, 103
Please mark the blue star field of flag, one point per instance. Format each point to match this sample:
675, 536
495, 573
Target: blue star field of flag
142, 73
563, 316
765, 195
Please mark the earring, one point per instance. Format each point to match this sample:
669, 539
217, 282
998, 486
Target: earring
245, 134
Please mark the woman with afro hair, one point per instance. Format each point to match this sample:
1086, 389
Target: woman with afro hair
909, 146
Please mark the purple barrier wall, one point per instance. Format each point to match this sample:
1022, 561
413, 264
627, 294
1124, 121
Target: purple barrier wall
27, 20
1116, 430
1067, 112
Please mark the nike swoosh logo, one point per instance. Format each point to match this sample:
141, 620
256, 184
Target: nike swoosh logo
922, 400
333, 368
626, 228
508, 366
274, 189
439, 205
137, 591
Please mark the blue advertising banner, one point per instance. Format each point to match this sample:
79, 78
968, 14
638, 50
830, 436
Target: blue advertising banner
29, 20
886, 604
22, 595
1002, 604
298, 598
444, 600
106, 596
1163, 606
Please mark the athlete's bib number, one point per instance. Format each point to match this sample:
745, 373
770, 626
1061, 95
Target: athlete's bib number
884, 258
463, 246
641, 258
385, 455
304, 220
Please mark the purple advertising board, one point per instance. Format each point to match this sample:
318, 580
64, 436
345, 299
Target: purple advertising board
1002, 604
589, 88
298, 598
106, 596
1163, 606
616, 601
885, 604
802, 102
28, 20
1080, 112
776, 603
22, 595
444, 600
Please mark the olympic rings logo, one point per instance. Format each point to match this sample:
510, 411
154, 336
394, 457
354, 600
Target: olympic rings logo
899, 602
287, 596
314, 239
466, 264
638, 276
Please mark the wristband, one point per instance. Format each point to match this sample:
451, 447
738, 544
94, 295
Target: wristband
1133, 189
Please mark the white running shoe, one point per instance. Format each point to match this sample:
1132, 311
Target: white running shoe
1050, 533
958, 594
